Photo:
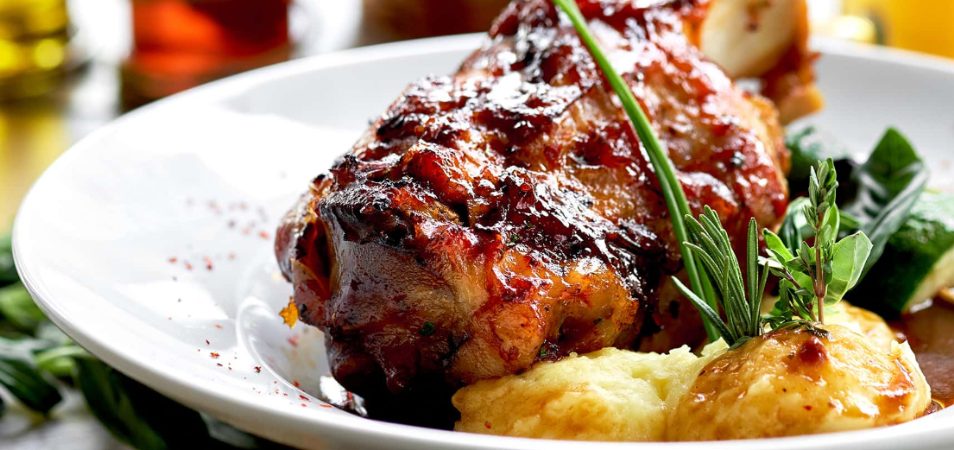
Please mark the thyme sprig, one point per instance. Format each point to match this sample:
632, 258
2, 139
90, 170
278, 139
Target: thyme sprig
812, 276
671, 188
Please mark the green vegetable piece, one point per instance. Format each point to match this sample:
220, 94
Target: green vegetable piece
889, 184
918, 259
808, 147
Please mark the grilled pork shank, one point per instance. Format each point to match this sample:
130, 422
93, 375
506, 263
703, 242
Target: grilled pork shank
507, 214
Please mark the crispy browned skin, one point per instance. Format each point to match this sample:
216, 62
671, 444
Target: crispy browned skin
507, 214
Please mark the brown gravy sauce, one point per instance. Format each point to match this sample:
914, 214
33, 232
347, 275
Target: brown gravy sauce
930, 331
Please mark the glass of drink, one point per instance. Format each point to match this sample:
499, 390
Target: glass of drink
34, 35
178, 44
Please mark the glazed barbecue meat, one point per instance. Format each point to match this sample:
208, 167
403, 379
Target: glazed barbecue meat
507, 213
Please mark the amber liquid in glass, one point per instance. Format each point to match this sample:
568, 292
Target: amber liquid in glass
33, 46
178, 44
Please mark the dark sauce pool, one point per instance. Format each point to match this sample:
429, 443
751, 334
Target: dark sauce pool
930, 331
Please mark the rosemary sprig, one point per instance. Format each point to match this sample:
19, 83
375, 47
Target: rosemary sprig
669, 184
740, 300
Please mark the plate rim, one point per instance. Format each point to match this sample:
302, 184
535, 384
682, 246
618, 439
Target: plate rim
200, 395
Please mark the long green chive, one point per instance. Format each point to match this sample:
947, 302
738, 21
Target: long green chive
671, 188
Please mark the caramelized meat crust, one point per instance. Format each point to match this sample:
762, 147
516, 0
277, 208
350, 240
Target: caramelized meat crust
507, 213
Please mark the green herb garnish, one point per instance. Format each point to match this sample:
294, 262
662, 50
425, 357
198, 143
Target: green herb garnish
740, 300
665, 172
821, 274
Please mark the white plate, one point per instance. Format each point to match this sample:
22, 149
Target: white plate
203, 178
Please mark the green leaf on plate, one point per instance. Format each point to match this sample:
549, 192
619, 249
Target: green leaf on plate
848, 263
888, 184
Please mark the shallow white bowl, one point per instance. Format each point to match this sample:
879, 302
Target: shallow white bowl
106, 238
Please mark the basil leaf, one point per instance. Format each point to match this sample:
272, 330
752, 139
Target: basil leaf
795, 228
847, 265
888, 183
775, 245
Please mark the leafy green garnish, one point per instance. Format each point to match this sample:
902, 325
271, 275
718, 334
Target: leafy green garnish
671, 188
740, 301
877, 195
817, 275
889, 184
810, 146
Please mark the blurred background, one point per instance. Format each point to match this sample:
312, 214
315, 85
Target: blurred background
70, 66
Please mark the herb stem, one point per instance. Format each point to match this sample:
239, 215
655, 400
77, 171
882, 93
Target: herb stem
819, 274
671, 188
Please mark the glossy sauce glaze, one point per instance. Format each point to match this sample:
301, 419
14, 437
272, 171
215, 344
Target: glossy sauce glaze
930, 331
507, 214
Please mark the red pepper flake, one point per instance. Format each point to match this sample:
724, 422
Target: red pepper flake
304, 405
218, 364
304, 398
207, 342
173, 260
296, 383
325, 405
263, 234
214, 355
258, 369
218, 325
208, 263
188, 265
487, 425
293, 340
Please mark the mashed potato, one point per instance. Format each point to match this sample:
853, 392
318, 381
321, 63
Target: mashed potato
785, 383
863, 322
610, 395
795, 381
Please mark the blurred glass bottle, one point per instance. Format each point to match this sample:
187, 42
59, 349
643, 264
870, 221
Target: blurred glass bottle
178, 44
920, 25
389, 20
34, 35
